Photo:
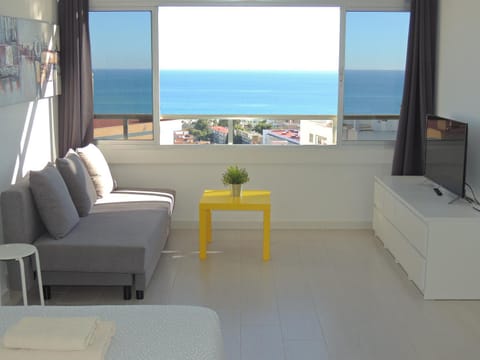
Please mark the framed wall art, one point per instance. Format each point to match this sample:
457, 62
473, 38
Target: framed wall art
29, 60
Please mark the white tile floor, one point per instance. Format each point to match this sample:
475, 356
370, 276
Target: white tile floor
334, 295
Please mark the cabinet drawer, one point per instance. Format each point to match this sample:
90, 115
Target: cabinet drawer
414, 265
390, 238
405, 254
411, 227
377, 224
378, 195
389, 206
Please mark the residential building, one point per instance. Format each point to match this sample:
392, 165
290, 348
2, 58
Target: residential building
220, 134
281, 137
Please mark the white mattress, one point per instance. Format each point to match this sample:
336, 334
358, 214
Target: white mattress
143, 332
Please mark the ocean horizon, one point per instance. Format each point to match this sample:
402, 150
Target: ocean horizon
244, 92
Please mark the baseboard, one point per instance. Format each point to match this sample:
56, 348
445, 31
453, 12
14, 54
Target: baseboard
322, 225
279, 225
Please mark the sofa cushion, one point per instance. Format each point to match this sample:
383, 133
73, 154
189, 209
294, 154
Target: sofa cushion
53, 201
113, 238
98, 169
78, 181
163, 196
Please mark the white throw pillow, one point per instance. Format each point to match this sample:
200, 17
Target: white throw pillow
98, 169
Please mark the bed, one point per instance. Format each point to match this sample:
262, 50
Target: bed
143, 332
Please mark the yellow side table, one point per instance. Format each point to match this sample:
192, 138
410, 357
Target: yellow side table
215, 200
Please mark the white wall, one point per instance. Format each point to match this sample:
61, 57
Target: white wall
312, 187
26, 136
458, 94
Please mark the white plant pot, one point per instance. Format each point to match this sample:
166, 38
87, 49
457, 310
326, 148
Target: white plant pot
236, 190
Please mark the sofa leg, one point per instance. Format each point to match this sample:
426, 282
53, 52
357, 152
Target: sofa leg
139, 294
127, 292
47, 295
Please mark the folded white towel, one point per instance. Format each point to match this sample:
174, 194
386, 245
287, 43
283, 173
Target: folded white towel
47, 333
95, 351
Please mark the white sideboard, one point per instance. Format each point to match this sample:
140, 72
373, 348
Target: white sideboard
436, 242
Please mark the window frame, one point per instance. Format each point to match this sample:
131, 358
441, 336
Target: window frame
154, 6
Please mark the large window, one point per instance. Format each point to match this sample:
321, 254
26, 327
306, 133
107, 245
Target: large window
375, 50
247, 75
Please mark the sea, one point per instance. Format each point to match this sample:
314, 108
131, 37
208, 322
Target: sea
200, 92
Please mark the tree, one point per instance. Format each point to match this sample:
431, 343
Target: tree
262, 125
200, 130
201, 125
223, 122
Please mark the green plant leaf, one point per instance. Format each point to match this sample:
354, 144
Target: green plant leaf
235, 175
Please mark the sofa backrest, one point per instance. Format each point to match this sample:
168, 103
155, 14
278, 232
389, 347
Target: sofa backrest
20, 219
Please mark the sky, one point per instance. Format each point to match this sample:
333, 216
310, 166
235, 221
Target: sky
120, 40
367, 47
248, 38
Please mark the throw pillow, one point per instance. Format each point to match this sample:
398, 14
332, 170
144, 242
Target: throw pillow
98, 169
78, 181
53, 201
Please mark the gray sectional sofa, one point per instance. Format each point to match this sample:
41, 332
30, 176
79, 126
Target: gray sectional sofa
117, 242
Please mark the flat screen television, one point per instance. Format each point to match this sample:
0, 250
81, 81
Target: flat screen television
446, 153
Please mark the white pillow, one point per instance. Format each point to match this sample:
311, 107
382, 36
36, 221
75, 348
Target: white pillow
98, 169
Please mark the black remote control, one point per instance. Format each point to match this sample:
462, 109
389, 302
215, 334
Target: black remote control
437, 191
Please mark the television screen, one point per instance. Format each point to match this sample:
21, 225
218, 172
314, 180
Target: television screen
446, 153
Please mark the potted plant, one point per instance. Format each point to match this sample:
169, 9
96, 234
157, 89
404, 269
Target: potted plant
235, 176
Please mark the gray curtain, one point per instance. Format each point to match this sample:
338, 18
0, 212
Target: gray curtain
75, 108
419, 89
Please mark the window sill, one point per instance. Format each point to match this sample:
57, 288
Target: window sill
353, 154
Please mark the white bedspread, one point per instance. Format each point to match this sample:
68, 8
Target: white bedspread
143, 332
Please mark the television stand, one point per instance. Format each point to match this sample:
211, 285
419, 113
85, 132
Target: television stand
434, 240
